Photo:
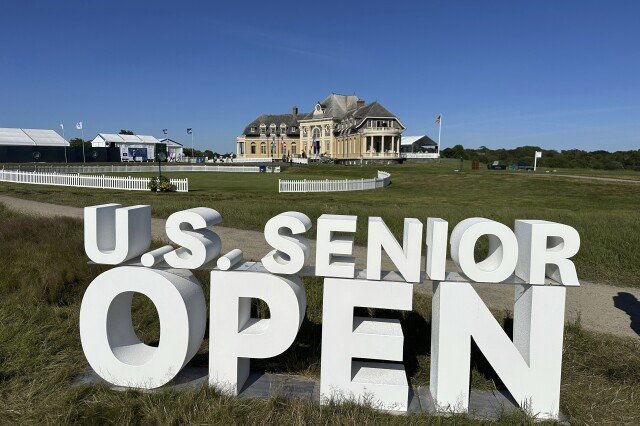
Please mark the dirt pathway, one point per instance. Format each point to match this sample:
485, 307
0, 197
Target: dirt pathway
604, 308
603, 179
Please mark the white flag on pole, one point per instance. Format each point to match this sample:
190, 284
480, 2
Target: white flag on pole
61, 126
538, 154
79, 125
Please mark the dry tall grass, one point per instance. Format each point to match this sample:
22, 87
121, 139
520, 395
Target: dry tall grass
44, 274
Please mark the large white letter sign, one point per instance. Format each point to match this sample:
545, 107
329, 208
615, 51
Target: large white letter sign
114, 234
545, 249
109, 342
529, 367
199, 244
235, 337
333, 252
406, 258
436, 256
345, 337
291, 249
503, 250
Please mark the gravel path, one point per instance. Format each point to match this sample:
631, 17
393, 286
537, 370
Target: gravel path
604, 179
603, 308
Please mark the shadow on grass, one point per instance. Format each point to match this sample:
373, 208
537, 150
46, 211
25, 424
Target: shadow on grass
630, 304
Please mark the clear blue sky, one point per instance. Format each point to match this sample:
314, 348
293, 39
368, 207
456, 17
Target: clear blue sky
558, 74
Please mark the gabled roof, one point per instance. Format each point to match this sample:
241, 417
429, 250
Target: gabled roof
170, 142
372, 110
31, 137
424, 140
267, 119
114, 138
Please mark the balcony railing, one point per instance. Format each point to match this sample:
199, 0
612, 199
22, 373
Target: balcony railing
388, 154
382, 129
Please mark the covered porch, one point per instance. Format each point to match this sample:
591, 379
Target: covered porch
381, 146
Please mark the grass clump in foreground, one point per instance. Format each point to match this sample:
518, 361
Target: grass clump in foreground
45, 274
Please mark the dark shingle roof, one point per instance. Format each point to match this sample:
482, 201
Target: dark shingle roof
277, 119
335, 106
374, 109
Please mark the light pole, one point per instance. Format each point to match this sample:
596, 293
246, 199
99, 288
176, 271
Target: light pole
161, 157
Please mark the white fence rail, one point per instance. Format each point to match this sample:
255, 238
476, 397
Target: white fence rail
148, 169
419, 155
333, 185
253, 160
127, 183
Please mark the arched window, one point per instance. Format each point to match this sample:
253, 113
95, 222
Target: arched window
316, 133
253, 147
294, 150
263, 148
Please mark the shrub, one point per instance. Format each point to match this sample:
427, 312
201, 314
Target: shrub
161, 184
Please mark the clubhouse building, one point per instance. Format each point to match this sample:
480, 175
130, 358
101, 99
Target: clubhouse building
340, 127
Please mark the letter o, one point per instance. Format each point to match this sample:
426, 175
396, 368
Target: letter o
503, 250
110, 344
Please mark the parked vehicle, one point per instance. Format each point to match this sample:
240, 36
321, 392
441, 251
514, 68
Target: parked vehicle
496, 166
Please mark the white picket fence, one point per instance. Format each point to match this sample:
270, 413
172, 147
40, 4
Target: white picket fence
149, 169
332, 185
127, 183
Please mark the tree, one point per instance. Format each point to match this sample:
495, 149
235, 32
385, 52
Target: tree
195, 153
126, 132
208, 153
570, 158
78, 142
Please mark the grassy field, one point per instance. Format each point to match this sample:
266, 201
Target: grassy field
40, 354
605, 214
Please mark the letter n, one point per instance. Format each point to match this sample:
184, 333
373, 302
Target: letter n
530, 366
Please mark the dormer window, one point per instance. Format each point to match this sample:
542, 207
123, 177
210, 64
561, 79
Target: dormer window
318, 109
293, 129
263, 129
253, 130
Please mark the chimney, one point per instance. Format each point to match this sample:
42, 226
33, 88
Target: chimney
294, 111
360, 103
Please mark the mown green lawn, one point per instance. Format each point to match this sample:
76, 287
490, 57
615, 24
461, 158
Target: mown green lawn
605, 214
45, 274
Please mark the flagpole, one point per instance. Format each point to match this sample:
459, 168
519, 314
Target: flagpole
65, 147
439, 132
193, 152
84, 160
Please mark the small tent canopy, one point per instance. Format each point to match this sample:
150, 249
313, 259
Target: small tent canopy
30, 137
104, 139
417, 143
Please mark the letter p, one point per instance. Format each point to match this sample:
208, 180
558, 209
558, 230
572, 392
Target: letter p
236, 337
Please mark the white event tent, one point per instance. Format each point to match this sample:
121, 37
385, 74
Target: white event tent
31, 137
132, 147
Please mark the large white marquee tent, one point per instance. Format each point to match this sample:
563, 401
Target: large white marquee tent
31, 137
